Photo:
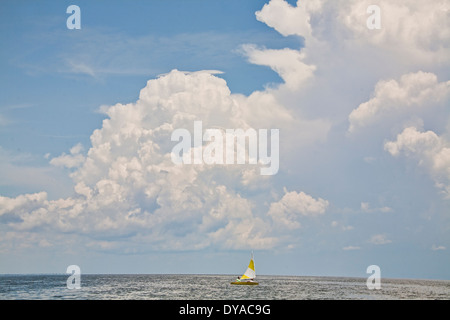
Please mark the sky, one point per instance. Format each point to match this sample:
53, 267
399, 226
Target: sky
87, 116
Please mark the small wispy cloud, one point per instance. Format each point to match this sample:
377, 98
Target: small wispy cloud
16, 106
336, 224
379, 239
437, 248
365, 207
349, 248
81, 68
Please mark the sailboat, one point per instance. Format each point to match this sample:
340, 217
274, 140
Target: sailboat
249, 275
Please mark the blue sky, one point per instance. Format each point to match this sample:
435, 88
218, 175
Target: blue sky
364, 137
117, 50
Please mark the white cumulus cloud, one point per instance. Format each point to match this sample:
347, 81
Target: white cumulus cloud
287, 212
288, 63
391, 97
128, 190
418, 31
429, 150
72, 160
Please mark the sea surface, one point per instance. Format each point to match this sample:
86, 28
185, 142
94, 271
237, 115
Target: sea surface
215, 287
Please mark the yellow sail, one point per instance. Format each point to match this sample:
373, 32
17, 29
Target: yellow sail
249, 274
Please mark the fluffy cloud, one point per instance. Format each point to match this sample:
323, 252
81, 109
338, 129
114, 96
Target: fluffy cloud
341, 54
127, 187
391, 97
338, 41
72, 160
289, 20
128, 191
290, 64
287, 63
430, 151
408, 29
289, 209
25, 202
420, 32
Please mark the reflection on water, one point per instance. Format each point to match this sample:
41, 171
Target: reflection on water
215, 287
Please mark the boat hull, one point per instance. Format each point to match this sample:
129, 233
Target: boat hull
245, 283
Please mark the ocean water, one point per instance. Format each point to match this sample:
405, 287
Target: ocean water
215, 287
